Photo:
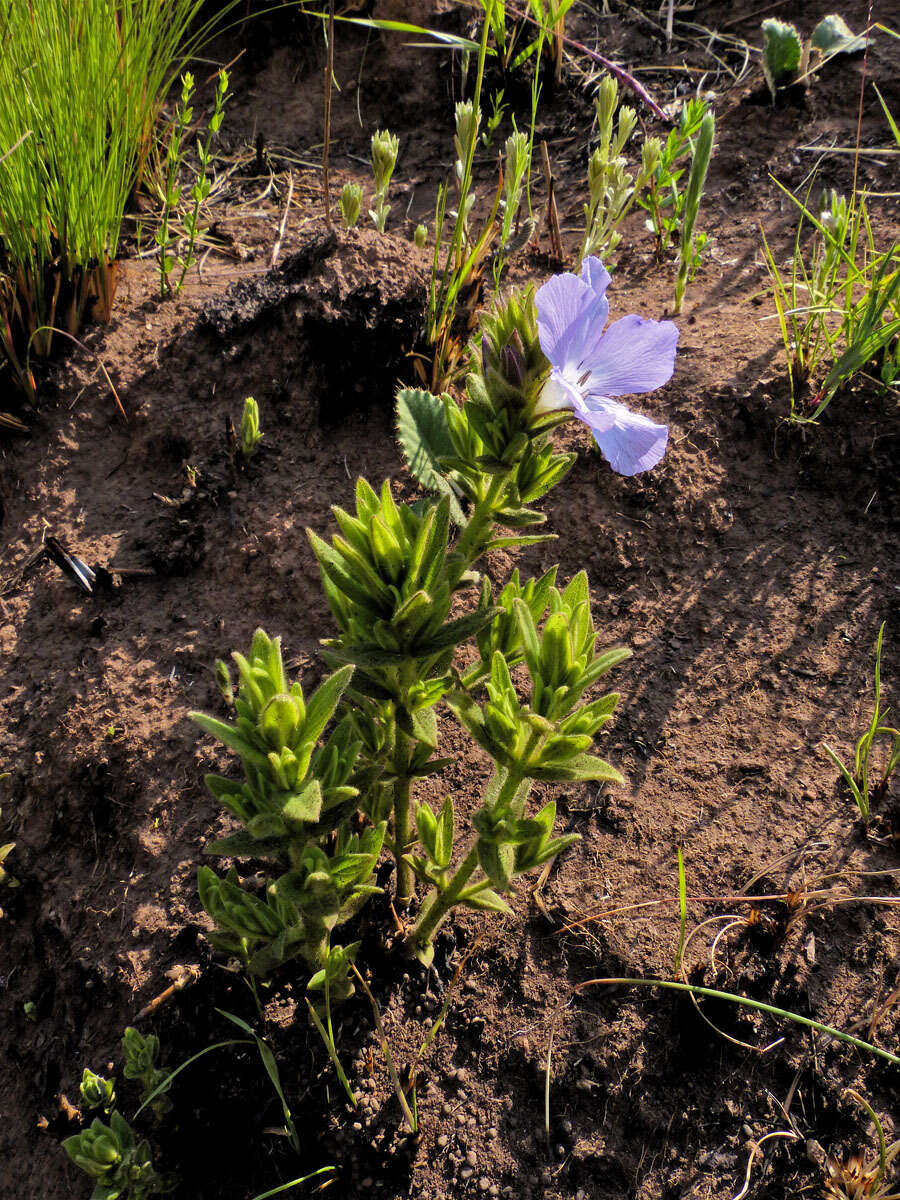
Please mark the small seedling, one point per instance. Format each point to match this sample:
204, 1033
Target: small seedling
251, 435
786, 57
184, 114
612, 189
201, 189
864, 1176
859, 779
420, 236
691, 247
113, 1156
141, 1052
385, 148
97, 1092
351, 203
468, 122
664, 198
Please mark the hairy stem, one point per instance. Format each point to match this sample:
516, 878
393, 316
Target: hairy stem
402, 747
478, 531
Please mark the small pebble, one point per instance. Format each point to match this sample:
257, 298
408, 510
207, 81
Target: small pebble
466, 1173
471, 1159
460, 1118
367, 1182
493, 1132
483, 1183
443, 1141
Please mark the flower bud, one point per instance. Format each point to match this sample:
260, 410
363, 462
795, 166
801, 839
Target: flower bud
385, 148
512, 361
468, 121
351, 202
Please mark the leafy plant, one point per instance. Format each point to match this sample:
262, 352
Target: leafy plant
786, 56
293, 803
691, 247
251, 434
97, 1092
838, 307
613, 190
82, 121
141, 1052
858, 779
385, 147
116, 1159
201, 189
662, 198
516, 37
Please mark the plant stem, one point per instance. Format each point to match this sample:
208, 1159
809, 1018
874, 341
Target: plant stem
472, 543
402, 747
438, 904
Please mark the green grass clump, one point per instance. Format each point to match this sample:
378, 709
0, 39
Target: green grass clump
82, 84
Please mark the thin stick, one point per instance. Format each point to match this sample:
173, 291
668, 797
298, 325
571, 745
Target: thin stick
552, 214
276, 249
329, 75
862, 89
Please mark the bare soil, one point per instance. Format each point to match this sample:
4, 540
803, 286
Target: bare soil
749, 573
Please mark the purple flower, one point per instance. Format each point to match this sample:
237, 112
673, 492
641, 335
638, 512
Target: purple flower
589, 367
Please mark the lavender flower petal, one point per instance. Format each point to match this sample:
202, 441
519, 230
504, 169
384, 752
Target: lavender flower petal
595, 275
630, 443
571, 316
634, 355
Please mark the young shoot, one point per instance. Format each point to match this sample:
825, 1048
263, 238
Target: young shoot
351, 203
385, 148
201, 189
691, 246
859, 778
468, 122
612, 189
251, 434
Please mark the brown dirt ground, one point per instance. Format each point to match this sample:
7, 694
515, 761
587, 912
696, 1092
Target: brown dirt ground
749, 573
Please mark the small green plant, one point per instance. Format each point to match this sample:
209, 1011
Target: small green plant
517, 36
612, 189
864, 1176
120, 1163
97, 1092
467, 124
141, 1052
293, 804
163, 237
251, 435
691, 246
420, 236
385, 148
663, 198
859, 779
786, 57
498, 108
838, 305
169, 256
351, 204
516, 166
201, 189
